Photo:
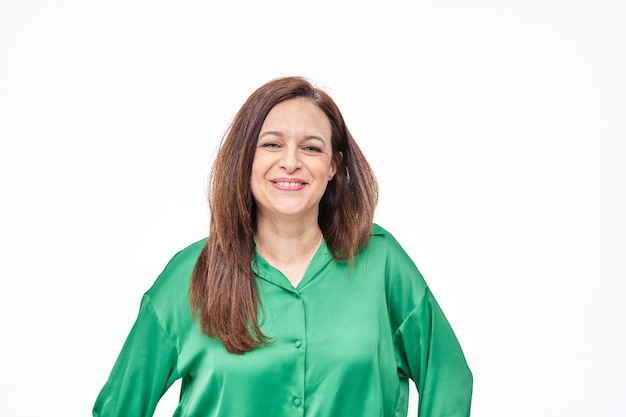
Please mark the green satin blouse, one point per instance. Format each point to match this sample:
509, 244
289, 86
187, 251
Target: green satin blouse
345, 342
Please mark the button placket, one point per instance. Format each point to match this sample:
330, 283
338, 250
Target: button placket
297, 400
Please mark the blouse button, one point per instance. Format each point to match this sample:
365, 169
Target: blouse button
297, 402
298, 344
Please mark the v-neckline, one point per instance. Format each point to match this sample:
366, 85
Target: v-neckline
266, 271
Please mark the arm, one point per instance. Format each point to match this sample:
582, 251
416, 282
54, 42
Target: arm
144, 370
429, 353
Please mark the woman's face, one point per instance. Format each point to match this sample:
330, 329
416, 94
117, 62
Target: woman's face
293, 161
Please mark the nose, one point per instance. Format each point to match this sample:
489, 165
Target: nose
290, 160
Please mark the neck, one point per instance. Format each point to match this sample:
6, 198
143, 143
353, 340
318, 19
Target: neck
288, 244
289, 248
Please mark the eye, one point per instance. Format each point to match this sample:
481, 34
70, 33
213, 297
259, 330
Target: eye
269, 145
311, 148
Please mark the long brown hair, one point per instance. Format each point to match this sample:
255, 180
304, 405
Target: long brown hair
223, 291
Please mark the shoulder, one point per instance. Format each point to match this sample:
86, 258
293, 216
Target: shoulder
382, 240
405, 285
400, 269
174, 280
186, 258
384, 247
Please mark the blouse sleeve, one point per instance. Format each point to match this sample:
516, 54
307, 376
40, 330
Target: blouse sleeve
429, 353
144, 370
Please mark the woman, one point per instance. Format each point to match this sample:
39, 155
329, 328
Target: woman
296, 304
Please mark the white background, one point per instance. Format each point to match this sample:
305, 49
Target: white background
496, 128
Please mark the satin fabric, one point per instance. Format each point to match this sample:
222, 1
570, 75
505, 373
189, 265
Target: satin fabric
345, 342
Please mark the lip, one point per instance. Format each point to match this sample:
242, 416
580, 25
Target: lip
288, 184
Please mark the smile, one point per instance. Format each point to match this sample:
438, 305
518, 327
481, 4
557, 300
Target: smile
288, 184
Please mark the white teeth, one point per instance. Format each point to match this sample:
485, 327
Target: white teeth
288, 184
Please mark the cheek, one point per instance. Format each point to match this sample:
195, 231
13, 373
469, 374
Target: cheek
256, 178
258, 167
262, 162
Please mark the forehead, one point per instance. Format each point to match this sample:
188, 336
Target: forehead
297, 114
